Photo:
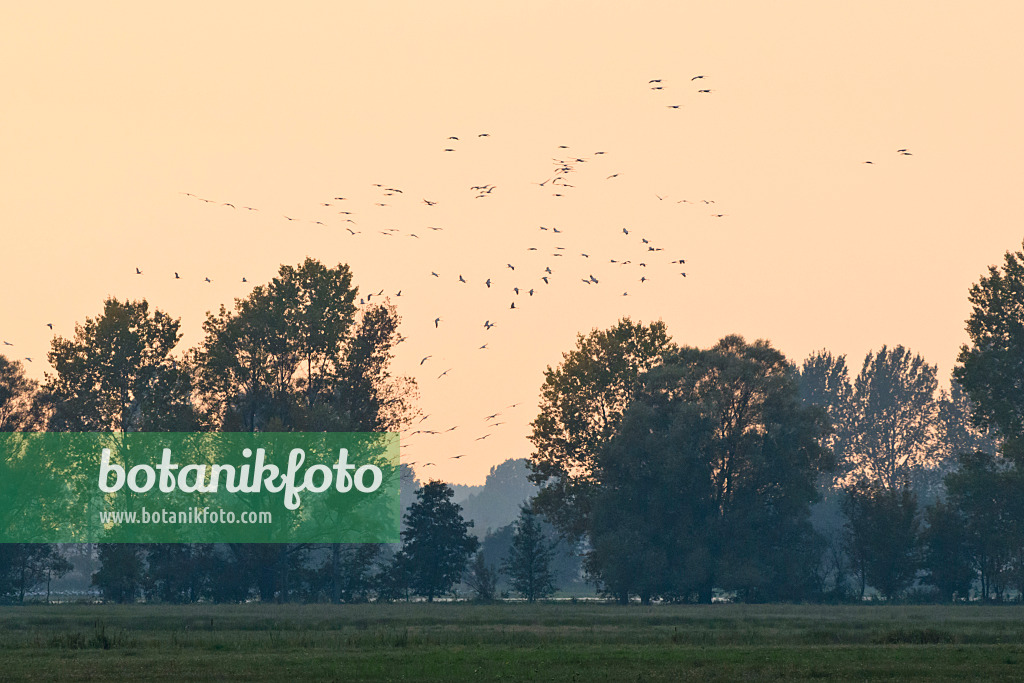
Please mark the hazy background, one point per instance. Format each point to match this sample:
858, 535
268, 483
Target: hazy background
111, 112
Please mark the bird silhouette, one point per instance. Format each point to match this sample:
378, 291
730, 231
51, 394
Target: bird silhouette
50, 325
425, 359
437, 322
137, 271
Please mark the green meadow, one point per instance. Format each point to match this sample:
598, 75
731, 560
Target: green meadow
510, 642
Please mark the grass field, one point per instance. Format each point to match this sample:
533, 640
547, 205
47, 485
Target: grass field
516, 642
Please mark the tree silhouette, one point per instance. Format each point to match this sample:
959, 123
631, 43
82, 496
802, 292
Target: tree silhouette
436, 544
991, 367
528, 564
709, 480
895, 417
582, 402
18, 407
117, 374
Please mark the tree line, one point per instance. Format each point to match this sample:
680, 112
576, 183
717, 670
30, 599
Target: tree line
676, 473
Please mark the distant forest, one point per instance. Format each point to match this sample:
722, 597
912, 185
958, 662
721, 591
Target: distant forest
659, 472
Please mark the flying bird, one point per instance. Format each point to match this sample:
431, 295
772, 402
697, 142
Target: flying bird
425, 359
437, 321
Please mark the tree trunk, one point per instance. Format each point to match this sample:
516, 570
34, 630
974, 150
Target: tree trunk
335, 570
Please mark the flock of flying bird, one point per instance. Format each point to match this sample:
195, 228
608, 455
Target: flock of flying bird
533, 269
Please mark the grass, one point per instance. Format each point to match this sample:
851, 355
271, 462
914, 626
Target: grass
513, 642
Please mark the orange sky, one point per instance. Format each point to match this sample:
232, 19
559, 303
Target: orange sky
112, 111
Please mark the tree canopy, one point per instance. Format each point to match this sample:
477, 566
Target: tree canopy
582, 402
709, 480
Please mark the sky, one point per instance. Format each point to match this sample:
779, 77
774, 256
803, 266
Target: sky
121, 118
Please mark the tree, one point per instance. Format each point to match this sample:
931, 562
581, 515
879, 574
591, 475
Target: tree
274, 360
985, 492
17, 398
118, 374
351, 571
436, 544
25, 566
482, 579
121, 573
528, 564
582, 402
825, 382
882, 536
709, 481
178, 572
947, 556
294, 355
991, 368
366, 397
957, 432
895, 417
